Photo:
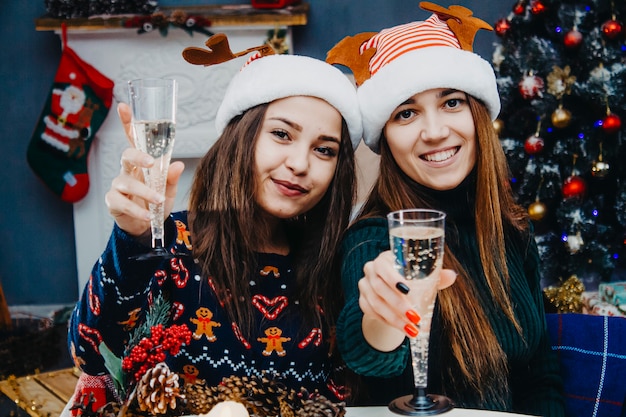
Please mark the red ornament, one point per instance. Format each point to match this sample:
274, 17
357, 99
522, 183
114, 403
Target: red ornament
537, 7
574, 186
611, 124
531, 86
519, 8
611, 29
533, 145
573, 39
503, 26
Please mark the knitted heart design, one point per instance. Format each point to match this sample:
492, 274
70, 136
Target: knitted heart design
270, 308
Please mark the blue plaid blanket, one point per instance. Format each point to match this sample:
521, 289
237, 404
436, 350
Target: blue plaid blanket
592, 354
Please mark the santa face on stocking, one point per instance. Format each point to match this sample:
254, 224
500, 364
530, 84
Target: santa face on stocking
68, 126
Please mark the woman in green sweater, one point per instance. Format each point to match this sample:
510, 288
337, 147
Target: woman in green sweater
428, 103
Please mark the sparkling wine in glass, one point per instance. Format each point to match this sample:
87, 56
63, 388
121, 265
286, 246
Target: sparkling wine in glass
417, 242
153, 106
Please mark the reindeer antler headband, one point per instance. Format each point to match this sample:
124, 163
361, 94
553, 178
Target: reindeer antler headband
394, 64
267, 76
219, 51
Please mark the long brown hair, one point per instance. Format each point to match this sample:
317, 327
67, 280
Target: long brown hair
484, 370
224, 222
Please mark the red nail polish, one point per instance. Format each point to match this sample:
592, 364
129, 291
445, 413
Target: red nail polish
410, 330
413, 316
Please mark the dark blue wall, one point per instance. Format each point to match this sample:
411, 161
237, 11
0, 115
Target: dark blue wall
37, 253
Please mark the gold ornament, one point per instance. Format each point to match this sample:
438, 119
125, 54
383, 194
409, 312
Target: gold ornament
600, 169
498, 126
561, 117
537, 210
567, 298
560, 81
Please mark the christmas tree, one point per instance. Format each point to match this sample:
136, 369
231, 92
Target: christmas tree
561, 71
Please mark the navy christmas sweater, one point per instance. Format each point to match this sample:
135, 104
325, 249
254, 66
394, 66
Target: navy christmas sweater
119, 292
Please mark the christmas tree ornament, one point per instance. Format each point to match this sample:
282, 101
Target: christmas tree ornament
611, 29
560, 83
612, 123
575, 243
519, 8
498, 126
574, 186
599, 168
531, 86
561, 117
573, 39
537, 210
534, 144
600, 74
502, 27
537, 7
77, 105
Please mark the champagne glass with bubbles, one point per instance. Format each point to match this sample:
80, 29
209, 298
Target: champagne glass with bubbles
153, 106
417, 241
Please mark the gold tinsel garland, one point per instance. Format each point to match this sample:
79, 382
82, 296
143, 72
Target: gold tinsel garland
567, 298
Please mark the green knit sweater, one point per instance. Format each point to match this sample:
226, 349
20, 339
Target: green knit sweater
534, 381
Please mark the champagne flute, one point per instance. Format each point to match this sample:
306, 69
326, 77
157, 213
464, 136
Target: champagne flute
153, 106
417, 241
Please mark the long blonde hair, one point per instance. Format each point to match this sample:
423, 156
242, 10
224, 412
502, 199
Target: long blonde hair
484, 371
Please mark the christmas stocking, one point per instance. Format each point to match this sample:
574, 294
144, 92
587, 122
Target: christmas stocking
78, 103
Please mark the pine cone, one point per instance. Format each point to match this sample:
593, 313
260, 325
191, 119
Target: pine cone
262, 395
317, 405
200, 397
158, 389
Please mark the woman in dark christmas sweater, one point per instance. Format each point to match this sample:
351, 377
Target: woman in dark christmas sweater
428, 103
268, 206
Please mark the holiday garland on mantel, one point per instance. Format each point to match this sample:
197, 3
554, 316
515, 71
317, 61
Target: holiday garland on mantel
561, 73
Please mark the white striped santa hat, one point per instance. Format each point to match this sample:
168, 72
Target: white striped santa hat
396, 63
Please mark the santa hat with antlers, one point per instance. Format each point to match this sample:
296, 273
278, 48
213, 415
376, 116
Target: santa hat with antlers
267, 77
399, 62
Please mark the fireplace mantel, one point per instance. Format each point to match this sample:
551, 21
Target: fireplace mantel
123, 54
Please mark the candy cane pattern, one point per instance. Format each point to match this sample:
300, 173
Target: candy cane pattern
240, 337
226, 294
338, 390
180, 274
179, 309
263, 304
160, 276
94, 301
315, 336
91, 336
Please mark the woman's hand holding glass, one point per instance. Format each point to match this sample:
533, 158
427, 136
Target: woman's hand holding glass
389, 314
127, 199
